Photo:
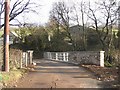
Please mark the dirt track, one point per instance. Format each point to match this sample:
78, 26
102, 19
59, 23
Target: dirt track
50, 74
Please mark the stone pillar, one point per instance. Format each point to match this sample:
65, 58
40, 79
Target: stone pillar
102, 58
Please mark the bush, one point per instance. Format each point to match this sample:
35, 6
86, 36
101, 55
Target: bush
1, 56
15, 58
107, 64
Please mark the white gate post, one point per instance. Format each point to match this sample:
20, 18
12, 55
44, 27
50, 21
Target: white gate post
26, 58
50, 56
30, 56
47, 55
56, 56
21, 60
64, 57
102, 58
67, 57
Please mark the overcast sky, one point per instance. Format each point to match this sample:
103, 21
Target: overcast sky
43, 15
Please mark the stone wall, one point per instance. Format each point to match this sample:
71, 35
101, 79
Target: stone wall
83, 57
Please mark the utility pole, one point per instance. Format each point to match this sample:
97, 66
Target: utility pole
6, 37
119, 42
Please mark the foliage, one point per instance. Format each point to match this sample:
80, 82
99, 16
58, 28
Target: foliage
107, 64
15, 58
1, 56
118, 40
37, 40
93, 41
22, 32
58, 43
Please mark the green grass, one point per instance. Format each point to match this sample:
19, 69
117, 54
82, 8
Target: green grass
1, 33
6, 77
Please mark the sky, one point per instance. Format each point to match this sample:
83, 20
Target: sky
43, 15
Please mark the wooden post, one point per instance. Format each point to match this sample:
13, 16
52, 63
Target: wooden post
6, 37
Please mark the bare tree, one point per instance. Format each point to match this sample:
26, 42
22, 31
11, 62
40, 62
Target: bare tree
18, 7
62, 16
79, 18
108, 10
104, 22
1, 9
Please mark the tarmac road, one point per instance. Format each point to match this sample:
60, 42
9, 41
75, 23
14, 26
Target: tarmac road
51, 74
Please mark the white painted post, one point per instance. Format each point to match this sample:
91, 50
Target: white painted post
56, 56
26, 57
47, 55
67, 57
21, 60
50, 56
30, 56
64, 57
102, 58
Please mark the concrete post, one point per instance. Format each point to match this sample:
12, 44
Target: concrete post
64, 56
21, 60
47, 55
50, 56
56, 56
102, 58
26, 59
67, 57
30, 56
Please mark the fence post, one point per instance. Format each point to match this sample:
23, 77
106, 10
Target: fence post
26, 58
21, 60
50, 56
30, 56
64, 58
67, 57
56, 56
102, 58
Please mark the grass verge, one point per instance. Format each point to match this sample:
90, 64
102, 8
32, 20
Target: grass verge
8, 78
